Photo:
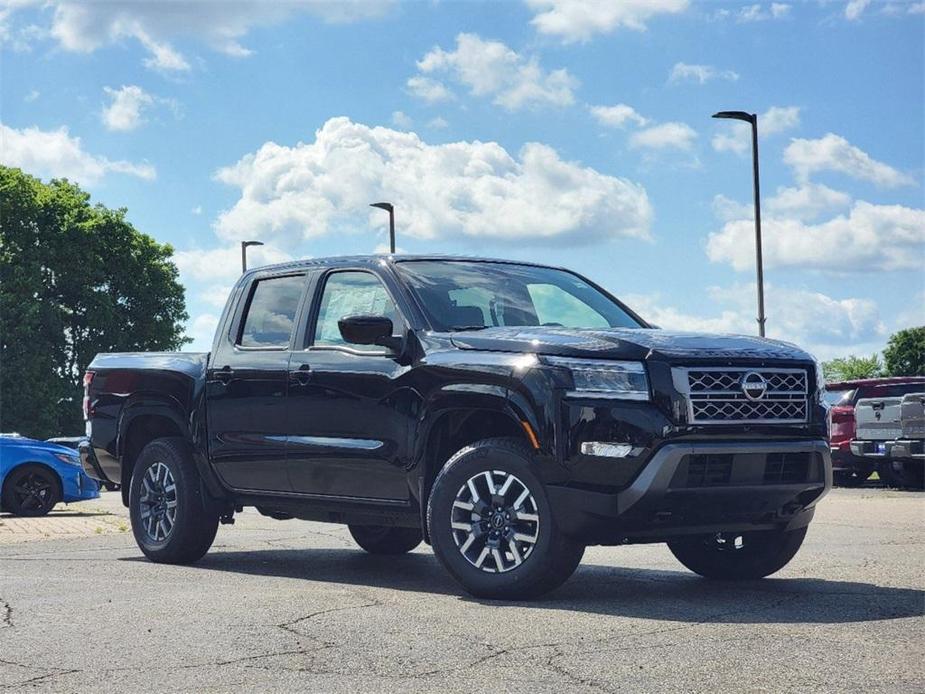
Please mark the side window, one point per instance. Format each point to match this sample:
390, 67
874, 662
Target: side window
555, 306
352, 293
271, 312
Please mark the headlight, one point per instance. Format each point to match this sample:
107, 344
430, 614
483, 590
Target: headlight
625, 380
69, 459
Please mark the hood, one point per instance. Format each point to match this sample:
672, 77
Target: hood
626, 343
35, 444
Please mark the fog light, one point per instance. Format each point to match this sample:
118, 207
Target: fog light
603, 449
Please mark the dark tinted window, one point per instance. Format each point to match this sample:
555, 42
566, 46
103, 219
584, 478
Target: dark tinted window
464, 294
271, 312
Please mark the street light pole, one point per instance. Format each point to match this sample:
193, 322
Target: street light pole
244, 245
388, 207
752, 119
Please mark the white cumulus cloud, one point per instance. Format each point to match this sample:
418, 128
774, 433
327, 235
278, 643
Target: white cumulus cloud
56, 154
834, 153
825, 325
124, 111
87, 26
459, 189
492, 69
579, 20
665, 136
869, 238
855, 8
807, 202
618, 116
224, 263
699, 74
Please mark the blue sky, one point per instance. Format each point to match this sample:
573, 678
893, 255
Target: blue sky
564, 131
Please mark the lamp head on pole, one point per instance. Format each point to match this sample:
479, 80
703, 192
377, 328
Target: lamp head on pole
387, 206
736, 115
245, 244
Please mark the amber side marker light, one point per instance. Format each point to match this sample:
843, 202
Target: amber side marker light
530, 434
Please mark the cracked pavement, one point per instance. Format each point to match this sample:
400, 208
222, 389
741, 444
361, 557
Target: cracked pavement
280, 606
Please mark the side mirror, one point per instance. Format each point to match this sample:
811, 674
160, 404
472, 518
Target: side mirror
368, 330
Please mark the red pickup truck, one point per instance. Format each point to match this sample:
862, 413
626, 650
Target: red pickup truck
850, 470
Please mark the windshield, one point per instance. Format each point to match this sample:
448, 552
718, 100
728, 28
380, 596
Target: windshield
468, 295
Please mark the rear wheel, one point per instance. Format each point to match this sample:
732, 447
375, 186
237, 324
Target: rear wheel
913, 474
31, 490
381, 539
738, 556
170, 517
888, 475
492, 527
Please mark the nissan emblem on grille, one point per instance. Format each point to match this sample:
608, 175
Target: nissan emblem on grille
728, 395
754, 386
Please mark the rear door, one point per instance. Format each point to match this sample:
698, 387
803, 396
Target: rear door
350, 413
247, 385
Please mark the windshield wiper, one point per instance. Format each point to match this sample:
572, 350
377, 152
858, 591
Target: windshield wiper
461, 328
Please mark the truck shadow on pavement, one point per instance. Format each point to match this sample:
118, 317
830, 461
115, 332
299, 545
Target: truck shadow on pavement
674, 596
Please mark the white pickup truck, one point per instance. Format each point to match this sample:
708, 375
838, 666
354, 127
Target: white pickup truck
893, 428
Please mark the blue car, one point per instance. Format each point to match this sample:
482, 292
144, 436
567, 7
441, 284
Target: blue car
36, 475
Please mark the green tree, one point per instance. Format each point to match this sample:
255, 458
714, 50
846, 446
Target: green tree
75, 279
852, 368
905, 353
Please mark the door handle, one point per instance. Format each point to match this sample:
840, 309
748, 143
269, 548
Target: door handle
302, 375
225, 374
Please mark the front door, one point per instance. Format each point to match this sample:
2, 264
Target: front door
349, 410
247, 385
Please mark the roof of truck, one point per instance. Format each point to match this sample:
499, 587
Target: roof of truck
388, 258
889, 380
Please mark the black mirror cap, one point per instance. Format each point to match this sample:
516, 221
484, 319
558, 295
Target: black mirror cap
366, 330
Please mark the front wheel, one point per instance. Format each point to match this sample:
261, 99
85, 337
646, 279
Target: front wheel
382, 539
738, 556
30, 490
492, 527
170, 517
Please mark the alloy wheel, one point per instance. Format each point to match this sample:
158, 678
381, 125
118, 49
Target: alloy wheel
158, 501
495, 521
33, 492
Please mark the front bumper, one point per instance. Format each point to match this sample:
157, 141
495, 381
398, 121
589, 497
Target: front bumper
660, 503
76, 485
90, 464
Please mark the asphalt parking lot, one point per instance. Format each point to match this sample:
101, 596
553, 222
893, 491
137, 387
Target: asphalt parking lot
280, 606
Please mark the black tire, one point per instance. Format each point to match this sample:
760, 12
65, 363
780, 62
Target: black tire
888, 476
761, 553
194, 525
913, 475
382, 539
850, 478
31, 490
546, 563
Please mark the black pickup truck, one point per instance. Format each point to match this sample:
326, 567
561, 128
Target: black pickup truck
508, 414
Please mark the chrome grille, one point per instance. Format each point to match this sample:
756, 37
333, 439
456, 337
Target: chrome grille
715, 395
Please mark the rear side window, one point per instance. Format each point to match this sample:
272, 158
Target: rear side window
271, 312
